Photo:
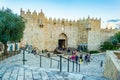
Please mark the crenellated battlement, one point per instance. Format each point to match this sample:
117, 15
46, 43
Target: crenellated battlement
40, 15
109, 30
30, 13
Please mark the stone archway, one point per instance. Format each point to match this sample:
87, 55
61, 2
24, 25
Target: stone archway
62, 41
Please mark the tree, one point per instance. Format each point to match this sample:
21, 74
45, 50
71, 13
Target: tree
106, 46
117, 35
114, 40
11, 27
112, 43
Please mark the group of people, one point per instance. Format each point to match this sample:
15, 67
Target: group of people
34, 51
87, 58
74, 57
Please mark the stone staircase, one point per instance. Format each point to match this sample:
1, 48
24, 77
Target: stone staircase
12, 68
20, 72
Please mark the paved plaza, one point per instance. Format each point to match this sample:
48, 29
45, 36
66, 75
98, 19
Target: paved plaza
13, 69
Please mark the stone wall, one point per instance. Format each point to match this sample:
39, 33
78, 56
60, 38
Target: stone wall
44, 33
112, 66
107, 33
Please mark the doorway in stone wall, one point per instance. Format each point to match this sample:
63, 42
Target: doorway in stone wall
62, 41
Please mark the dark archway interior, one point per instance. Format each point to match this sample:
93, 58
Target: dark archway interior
61, 43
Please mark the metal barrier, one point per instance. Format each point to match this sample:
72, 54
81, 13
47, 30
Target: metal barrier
77, 67
41, 59
51, 59
68, 65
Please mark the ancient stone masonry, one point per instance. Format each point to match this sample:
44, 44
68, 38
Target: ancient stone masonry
49, 33
112, 65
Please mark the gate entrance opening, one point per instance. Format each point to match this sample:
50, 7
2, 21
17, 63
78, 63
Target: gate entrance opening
61, 43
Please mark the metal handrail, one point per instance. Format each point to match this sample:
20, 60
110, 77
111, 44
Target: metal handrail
77, 64
60, 63
49, 57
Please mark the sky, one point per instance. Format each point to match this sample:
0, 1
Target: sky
107, 10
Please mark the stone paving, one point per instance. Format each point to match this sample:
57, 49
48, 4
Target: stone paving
13, 69
16, 72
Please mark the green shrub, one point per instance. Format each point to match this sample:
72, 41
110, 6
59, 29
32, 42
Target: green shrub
48, 55
94, 52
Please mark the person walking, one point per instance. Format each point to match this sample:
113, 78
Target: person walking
76, 58
73, 57
68, 51
81, 59
85, 59
101, 63
88, 56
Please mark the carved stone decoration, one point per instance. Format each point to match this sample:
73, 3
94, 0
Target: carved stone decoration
88, 26
41, 25
54, 23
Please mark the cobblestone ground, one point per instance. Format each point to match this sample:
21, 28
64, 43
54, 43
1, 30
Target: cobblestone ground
93, 70
13, 69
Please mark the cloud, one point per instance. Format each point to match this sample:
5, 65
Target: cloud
113, 20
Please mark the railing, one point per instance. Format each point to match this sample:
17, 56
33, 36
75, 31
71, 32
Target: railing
51, 61
60, 63
75, 65
42, 60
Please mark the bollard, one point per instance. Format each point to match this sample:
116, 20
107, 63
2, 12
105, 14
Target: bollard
40, 60
68, 65
50, 63
23, 57
79, 67
60, 63
73, 67
76, 66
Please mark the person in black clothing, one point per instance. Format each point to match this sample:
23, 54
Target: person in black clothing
76, 58
42, 51
81, 57
101, 63
68, 51
86, 59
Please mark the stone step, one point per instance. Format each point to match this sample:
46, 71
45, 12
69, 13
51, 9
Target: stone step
44, 75
2, 71
36, 75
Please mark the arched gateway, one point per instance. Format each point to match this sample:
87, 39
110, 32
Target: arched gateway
62, 41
